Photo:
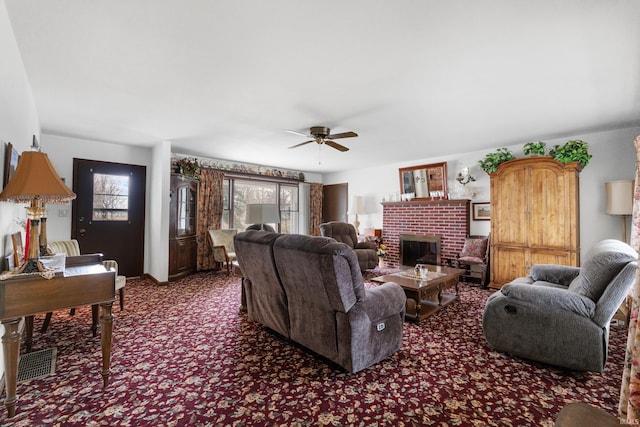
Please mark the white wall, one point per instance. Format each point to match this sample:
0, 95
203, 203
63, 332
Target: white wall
18, 122
160, 177
613, 159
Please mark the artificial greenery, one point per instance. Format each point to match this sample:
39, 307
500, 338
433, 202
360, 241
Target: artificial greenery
188, 167
535, 149
492, 160
573, 151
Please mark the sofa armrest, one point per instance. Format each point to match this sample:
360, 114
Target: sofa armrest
549, 298
383, 301
365, 245
553, 273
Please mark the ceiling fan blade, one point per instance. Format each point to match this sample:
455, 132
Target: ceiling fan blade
302, 143
343, 135
336, 145
296, 132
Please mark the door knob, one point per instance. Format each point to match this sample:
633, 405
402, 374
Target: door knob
82, 231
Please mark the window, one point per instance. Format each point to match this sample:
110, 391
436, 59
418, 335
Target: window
110, 197
240, 192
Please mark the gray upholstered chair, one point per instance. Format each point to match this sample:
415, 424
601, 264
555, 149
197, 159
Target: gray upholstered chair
346, 233
310, 290
266, 300
560, 315
222, 246
261, 227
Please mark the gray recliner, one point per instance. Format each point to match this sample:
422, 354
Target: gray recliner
310, 290
560, 315
266, 300
346, 233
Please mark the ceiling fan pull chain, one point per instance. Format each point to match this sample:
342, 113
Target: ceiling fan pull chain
319, 154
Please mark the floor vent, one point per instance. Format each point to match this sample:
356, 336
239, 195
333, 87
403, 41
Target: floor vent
37, 364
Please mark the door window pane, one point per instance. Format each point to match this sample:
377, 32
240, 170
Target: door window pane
110, 197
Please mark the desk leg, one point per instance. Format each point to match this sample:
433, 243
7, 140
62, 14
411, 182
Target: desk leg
11, 349
94, 320
106, 328
28, 326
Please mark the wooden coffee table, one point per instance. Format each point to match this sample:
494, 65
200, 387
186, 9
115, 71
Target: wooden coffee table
425, 296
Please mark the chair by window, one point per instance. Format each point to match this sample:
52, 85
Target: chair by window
222, 246
474, 259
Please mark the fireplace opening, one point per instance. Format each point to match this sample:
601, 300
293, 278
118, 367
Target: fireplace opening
419, 249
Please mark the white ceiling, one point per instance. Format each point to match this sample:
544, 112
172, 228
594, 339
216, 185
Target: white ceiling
415, 78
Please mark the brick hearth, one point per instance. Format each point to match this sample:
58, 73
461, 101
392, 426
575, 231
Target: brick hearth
448, 219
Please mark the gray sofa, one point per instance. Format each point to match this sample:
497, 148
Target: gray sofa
310, 290
346, 233
560, 315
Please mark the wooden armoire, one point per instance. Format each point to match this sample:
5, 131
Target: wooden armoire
535, 217
183, 244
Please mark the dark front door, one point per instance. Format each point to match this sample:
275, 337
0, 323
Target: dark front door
108, 213
334, 202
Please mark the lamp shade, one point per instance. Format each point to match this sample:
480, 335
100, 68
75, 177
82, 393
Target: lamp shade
357, 205
35, 178
619, 197
263, 214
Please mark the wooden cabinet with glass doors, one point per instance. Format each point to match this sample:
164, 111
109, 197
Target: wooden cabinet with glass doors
183, 244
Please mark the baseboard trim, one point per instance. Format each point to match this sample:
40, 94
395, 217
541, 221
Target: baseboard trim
154, 280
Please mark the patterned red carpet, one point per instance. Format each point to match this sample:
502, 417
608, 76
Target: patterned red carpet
184, 356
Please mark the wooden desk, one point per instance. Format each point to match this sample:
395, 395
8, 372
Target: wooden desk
85, 282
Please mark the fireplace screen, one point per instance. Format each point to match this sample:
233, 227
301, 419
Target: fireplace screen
416, 249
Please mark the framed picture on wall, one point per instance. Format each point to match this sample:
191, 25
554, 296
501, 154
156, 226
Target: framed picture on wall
11, 157
481, 211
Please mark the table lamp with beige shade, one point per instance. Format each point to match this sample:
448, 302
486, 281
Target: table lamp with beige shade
620, 201
35, 181
263, 214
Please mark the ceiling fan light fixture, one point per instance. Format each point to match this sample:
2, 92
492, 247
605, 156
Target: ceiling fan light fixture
322, 135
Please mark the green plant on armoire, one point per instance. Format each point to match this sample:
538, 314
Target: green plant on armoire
492, 160
573, 151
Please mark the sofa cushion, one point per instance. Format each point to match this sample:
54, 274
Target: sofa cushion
602, 263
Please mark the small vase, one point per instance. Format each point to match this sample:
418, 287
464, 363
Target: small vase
380, 262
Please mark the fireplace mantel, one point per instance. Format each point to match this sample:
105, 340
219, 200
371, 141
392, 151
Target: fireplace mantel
448, 219
456, 202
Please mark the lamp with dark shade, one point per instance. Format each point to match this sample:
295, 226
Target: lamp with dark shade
263, 214
35, 181
620, 201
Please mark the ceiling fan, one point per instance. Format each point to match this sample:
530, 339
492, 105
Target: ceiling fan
322, 135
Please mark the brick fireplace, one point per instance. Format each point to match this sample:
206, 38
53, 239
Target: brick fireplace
448, 219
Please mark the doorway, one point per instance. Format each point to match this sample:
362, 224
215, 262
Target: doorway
335, 202
108, 214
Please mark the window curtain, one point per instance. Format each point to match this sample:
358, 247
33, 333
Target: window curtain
210, 205
629, 406
315, 208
